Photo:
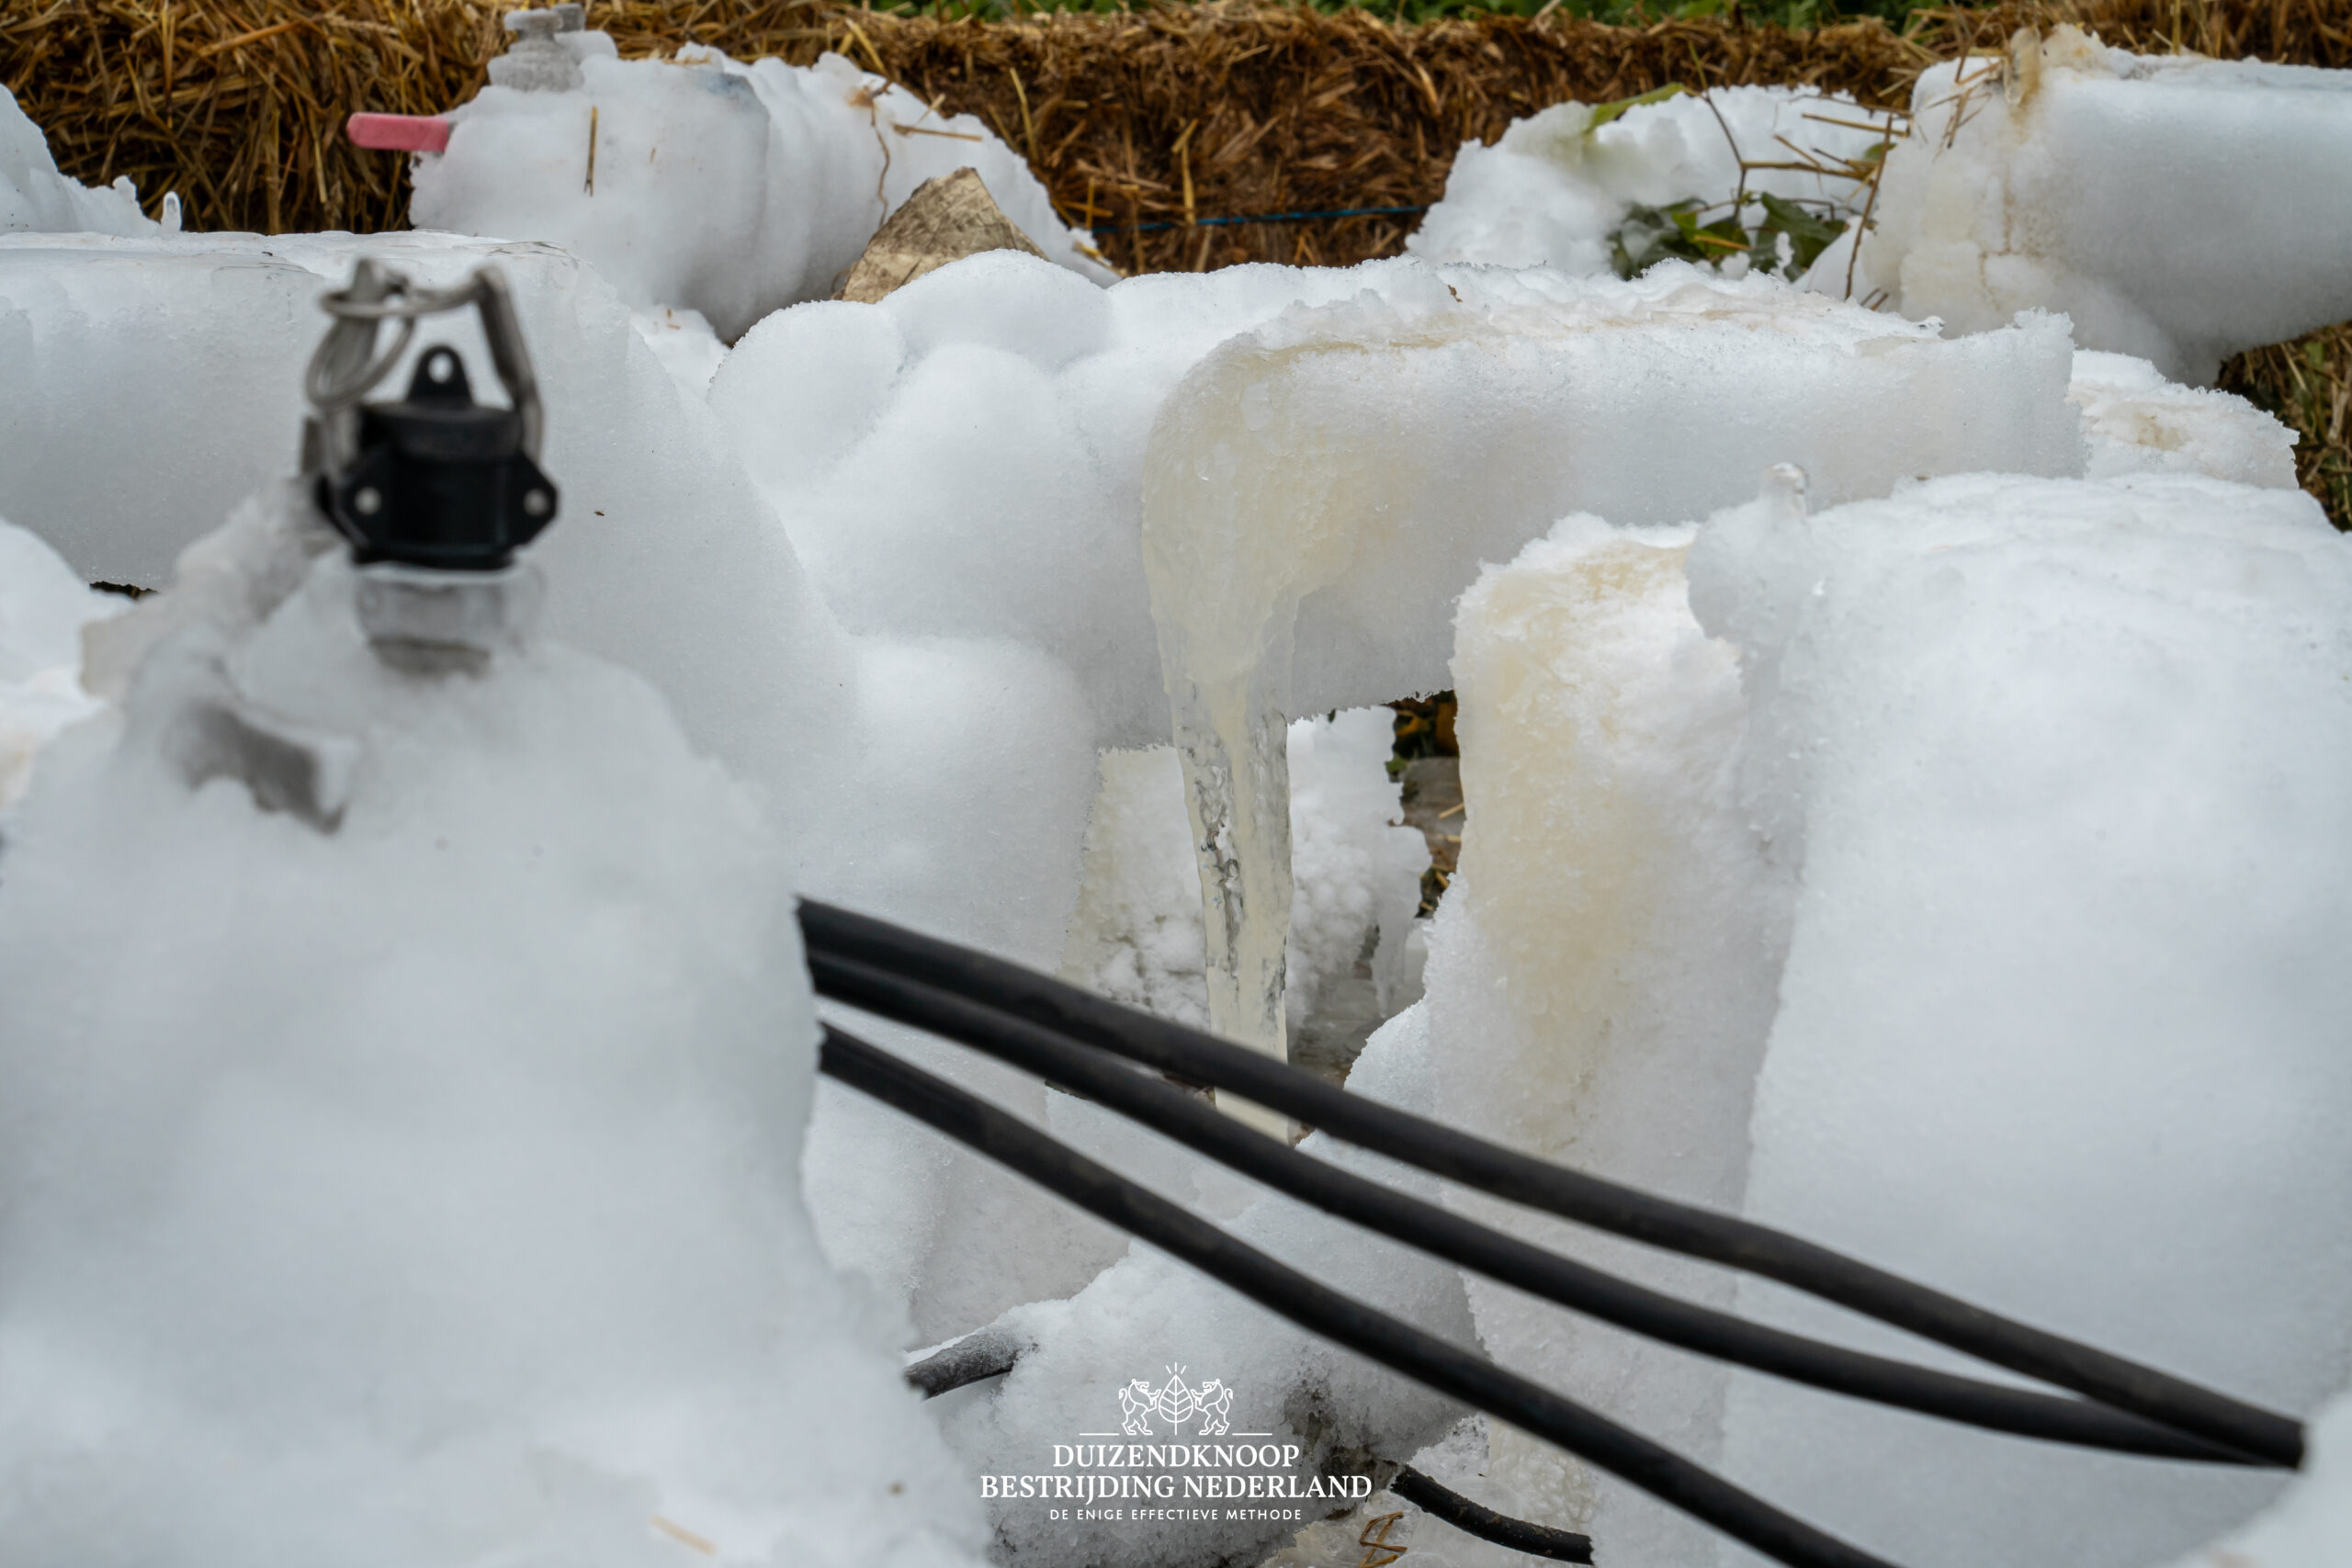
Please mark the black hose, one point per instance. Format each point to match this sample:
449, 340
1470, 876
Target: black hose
1579, 1287
2262, 1435
1448, 1369
1477, 1518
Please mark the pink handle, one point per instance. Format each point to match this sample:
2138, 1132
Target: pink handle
399, 133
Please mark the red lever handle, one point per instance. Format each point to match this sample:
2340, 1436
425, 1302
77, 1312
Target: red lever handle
399, 133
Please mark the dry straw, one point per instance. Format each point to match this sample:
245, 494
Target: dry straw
1148, 119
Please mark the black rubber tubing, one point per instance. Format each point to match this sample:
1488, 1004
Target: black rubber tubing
1447, 1369
1475, 1518
1999, 1407
2262, 1435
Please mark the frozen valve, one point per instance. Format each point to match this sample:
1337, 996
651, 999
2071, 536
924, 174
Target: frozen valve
435, 479
440, 481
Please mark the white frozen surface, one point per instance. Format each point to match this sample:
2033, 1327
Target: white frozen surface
1556, 189
956, 803
35, 198
710, 185
2135, 422
2311, 1524
965, 458
1317, 492
685, 344
43, 607
1602, 973
2061, 1027
941, 781
423, 1191
2179, 209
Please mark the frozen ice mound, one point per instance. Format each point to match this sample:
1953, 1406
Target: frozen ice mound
35, 198
955, 803
2179, 209
1602, 975
1147, 1312
937, 780
43, 607
712, 185
2136, 422
965, 458
685, 344
421, 1189
1558, 188
2058, 765
987, 425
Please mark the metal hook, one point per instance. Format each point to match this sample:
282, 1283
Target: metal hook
346, 365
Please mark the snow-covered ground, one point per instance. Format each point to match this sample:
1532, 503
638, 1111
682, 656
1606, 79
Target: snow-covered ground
1903, 777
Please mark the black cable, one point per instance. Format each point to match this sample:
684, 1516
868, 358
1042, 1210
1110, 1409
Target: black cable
1443, 1151
1475, 1518
2027, 1412
1448, 1369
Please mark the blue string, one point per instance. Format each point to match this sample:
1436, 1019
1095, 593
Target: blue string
1261, 218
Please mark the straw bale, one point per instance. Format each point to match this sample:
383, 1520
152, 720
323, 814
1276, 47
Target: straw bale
1158, 114
1146, 120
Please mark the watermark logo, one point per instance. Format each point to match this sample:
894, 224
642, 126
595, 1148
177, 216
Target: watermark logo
1176, 1403
1172, 1475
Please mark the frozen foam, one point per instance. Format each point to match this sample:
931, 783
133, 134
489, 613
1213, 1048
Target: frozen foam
421, 1188
2061, 1025
2177, 209
706, 184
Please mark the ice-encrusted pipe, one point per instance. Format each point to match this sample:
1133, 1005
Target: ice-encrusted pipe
1378, 448
2177, 209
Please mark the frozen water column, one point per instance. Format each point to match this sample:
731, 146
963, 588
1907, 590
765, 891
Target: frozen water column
2177, 209
1316, 492
1602, 976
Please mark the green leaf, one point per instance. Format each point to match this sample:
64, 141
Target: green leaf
1719, 239
1603, 113
1808, 236
1797, 223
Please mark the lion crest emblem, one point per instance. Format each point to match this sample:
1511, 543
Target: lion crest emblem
1176, 1403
